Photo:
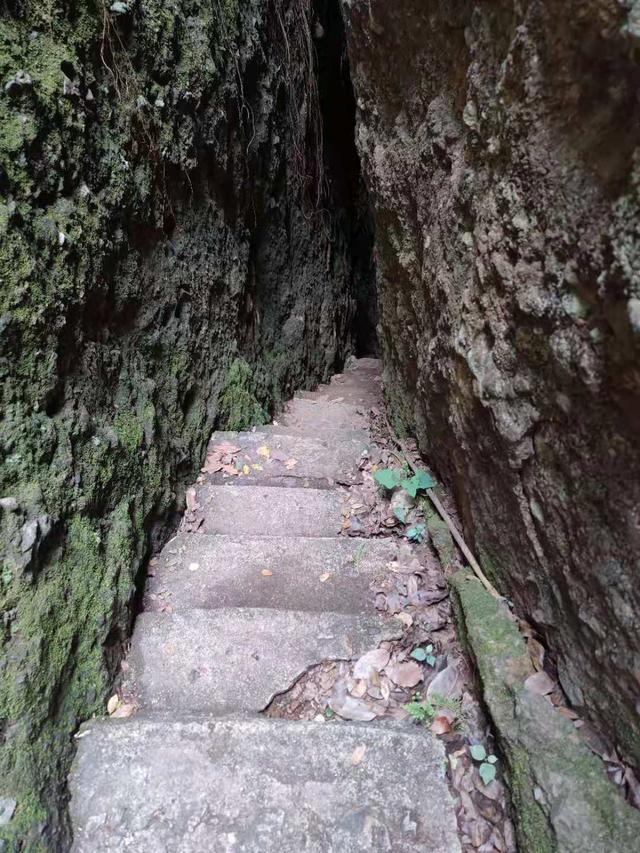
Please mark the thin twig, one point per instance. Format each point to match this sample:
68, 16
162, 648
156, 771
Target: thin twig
444, 515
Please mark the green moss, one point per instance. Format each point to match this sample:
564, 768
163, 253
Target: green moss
129, 430
577, 808
440, 534
239, 407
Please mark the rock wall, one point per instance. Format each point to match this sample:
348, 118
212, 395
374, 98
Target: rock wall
163, 267
499, 142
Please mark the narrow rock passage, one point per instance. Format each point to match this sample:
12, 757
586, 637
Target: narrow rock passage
258, 587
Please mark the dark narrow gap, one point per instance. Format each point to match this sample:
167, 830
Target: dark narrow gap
342, 168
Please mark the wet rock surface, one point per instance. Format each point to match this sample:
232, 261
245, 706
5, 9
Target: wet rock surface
499, 144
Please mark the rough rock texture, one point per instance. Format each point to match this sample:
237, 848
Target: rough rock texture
149, 786
561, 795
500, 145
162, 267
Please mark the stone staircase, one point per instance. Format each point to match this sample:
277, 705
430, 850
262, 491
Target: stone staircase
236, 612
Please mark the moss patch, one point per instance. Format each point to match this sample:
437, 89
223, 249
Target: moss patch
562, 798
239, 406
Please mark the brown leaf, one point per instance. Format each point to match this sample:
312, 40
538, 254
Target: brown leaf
226, 449
536, 651
373, 661
358, 754
446, 683
350, 708
125, 710
441, 726
360, 689
406, 674
212, 465
540, 683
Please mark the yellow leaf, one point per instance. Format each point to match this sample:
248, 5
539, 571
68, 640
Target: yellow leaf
358, 754
246, 470
257, 467
264, 452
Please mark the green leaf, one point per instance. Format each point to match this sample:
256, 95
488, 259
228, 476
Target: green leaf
487, 772
419, 482
329, 713
417, 533
400, 513
429, 648
431, 660
419, 654
493, 759
478, 752
388, 478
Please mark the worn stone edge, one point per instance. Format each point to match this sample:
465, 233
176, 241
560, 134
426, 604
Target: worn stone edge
561, 798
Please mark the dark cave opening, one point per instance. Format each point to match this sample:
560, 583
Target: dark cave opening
342, 168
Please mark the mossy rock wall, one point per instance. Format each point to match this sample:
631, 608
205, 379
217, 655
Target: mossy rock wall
160, 271
500, 142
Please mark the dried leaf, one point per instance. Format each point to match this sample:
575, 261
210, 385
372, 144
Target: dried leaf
441, 726
290, 464
358, 754
406, 674
540, 684
226, 449
193, 567
373, 661
112, 704
350, 708
192, 502
264, 452
405, 618
325, 577
125, 710
360, 689
446, 683
266, 573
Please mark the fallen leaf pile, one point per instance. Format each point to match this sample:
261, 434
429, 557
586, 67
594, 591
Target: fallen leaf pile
192, 520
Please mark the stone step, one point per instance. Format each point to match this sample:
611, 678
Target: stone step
333, 575
359, 390
265, 511
314, 415
280, 459
229, 660
261, 786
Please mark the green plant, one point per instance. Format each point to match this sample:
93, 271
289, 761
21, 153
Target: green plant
488, 763
425, 654
391, 478
426, 710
